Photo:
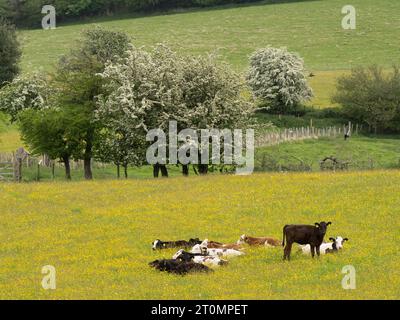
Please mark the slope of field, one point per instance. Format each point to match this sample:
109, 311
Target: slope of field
312, 28
10, 140
98, 236
360, 151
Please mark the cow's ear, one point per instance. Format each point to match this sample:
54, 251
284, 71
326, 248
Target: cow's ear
345, 239
332, 239
329, 223
317, 224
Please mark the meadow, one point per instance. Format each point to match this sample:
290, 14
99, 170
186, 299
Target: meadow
98, 236
362, 152
311, 28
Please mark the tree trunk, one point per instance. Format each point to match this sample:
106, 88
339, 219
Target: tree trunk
87, 158
67, 168
126, 170
118, 171
185, 170
87, 165
53, 170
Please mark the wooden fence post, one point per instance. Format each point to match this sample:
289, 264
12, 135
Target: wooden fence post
17, 169
38, 172
53, 168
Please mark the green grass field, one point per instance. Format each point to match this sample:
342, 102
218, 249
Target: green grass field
10, 140
98, 236
235, 32
311, 28
108, 171
361, 151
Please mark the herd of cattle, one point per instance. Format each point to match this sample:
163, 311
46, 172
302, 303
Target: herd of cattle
204, 255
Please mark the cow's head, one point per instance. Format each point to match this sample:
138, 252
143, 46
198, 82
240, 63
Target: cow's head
200, 249
322, 226
178, 254
157, 244
242, 239
204, 243
154, 263
196, 249
194, 241
204, 247
338, 242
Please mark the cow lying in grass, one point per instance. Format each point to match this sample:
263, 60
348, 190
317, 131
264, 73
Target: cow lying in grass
210, 261
264, 241
158, 244
221, 252
218, 245
326, 247
179, 266
304, 234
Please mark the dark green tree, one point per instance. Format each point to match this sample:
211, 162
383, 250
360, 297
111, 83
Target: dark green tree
371, 96
52, 132
79, 83
10, 52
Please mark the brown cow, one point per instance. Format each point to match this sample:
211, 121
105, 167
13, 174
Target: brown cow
217, 245
263, 241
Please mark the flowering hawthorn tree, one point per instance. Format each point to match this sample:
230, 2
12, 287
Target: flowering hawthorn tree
24, 93
147, 90
277, 78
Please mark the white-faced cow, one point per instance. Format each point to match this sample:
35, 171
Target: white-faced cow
210, 261
336, 244
220, 252
304, 234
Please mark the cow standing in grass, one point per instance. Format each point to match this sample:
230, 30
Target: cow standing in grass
304, 234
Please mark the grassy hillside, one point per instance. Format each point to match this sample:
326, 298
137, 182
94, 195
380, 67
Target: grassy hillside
312, 28
9, 136
361, 152
98, 234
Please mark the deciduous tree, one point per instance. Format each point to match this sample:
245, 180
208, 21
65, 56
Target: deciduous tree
277, 78
10, 52
371, 96
147, 90
79, 84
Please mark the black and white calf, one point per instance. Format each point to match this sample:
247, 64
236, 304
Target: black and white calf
158, 244
336, 244
178, 266
210, 261
218, 252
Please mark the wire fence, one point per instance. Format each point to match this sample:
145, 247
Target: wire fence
304, 133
